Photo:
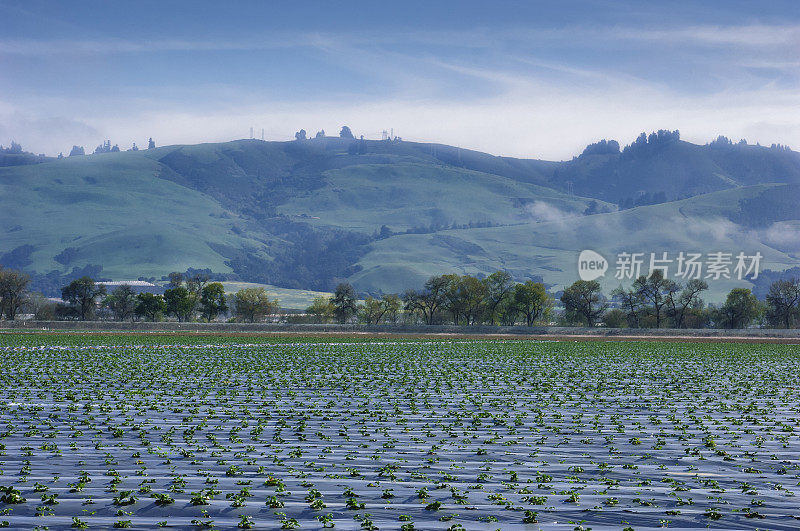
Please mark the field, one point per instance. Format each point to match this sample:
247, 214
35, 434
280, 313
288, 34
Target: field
296, 299
205, 431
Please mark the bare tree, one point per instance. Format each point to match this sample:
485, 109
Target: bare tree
678, 305
13, 291
428, 301
656, 290
783, 302
631, 303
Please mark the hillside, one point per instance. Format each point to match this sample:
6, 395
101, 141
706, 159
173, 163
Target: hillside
664, 164
385, 214
699, 224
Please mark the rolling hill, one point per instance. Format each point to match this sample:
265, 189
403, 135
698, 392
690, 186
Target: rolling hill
385, 215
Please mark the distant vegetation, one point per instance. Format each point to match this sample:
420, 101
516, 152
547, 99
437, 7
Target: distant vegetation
651, 302
13, 155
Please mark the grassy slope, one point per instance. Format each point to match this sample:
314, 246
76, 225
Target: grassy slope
137, 217
679, 169
550, 249
409, 193
116, 211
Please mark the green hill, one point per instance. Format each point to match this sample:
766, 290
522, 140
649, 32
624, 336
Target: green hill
112, 210
663, 164
385, 214
549, 251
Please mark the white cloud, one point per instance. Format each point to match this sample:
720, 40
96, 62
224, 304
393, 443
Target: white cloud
740, 36
543, 212
756, 35
783, 235
543, 120
524, 105
71, 47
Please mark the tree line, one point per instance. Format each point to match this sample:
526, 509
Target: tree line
450, 298
657, 302
650, 302
187, 298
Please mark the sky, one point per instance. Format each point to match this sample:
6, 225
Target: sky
525, 79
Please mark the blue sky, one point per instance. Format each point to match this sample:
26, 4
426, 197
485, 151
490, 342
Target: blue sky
531, 79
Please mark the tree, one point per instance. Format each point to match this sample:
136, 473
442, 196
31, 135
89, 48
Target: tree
630, 303
150, 306
321, 308
39, 305
616, 318
370, 312
83, 293
195, 285
65, 312
740, 309
150, 143
175, 279
344, 302
531, 299
253, 304
391, 305
655, 290
122, 302
384, 233
507, 312
429, 300
13, 291
499, 287
472, 292
180, 302
320, 134
783, 302
300, 135
77, 150
346, 132
678, 305
13, 149
453, 303
212, 301
584, 301
374, 310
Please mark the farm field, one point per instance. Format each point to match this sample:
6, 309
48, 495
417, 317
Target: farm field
202, 431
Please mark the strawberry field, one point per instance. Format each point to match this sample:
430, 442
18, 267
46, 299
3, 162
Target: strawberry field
204, 432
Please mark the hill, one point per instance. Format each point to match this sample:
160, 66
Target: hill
387, 214
700, 224
662, 164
